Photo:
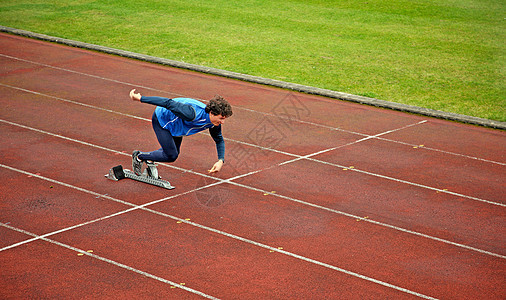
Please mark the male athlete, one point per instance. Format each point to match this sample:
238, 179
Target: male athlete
178, 117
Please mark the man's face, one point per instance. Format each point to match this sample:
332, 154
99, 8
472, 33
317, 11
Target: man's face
217, 119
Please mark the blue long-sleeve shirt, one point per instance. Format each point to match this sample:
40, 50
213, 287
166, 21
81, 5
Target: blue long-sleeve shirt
186, 116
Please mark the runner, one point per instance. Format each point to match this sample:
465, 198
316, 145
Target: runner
175, 118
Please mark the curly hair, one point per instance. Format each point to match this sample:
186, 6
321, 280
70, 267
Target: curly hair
219, 106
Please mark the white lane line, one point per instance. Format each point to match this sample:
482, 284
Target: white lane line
136, 117
444, 152
242, 108
103, 148
210, 229
351, 143
300, 257
371, 221
375, 136
411, 183
309, 157
85, 74
112, 262
74, 102
134, 206
278, 195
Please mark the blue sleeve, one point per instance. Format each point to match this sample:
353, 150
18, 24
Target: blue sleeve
182, 110
218, 139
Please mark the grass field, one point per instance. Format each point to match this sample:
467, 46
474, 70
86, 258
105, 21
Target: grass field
447, 55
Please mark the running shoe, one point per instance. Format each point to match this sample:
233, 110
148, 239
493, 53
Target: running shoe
136, 163
152, 170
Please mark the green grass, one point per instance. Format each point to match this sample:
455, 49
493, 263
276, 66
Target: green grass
447, 55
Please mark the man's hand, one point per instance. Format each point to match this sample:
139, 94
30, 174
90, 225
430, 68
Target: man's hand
217, 166
135, 96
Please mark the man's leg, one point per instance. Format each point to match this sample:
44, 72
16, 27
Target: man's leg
170, 145
168, 153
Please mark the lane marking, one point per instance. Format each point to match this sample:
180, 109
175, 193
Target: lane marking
277, 194
74, 102
372, 221
352, 143
187, 221
446, 191
136, 117
109, 261
84, 74
134, 206
243, 108
443, 151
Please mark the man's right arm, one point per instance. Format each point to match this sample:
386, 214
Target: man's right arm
182, 110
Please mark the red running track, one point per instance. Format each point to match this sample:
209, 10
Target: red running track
319, 199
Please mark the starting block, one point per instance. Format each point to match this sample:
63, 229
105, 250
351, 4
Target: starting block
149, 176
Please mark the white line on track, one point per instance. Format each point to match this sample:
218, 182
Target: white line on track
134, 206
219, 181
375, 136
74, 102
109, 261
413, 184
368, 220
351, 143
144, 207
133, 116
81, 73
243, 108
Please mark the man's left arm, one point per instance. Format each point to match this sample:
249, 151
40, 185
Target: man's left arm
220, 148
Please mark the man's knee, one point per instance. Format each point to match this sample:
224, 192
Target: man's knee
171, 157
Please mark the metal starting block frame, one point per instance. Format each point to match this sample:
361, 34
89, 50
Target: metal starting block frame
117, 173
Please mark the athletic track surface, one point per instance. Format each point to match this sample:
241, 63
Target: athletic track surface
318, 199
